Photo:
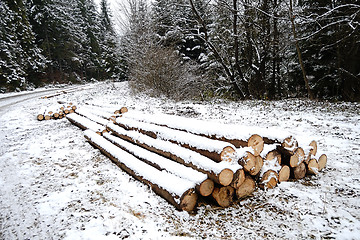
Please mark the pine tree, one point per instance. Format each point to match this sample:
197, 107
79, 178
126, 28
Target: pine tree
331, 47
20, 59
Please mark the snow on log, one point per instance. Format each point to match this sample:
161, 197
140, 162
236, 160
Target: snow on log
247, 188
213, 149
269, 175
221, 173
239, 136
203, 184
251, 163
109, 108
85, 123
293, 158
178, 191
322, 161
269, 180
223, 195
290, 144
312, 167
88, 114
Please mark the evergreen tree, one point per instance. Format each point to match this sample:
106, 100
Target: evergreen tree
330, 42
20, 59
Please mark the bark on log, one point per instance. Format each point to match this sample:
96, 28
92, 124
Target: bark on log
247, 188
204, 185
205, 129
186, 201
213, 149
85, 123
223, 195
221, 173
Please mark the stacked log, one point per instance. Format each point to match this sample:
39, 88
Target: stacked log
221, 167
56, 111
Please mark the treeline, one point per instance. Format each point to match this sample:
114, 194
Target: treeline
56, 41
241, 49
180, 49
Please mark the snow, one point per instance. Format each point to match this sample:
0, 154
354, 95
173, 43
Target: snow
181, 137
185, 154
209, 128
165, 163
54, 185
89, 124
171, 183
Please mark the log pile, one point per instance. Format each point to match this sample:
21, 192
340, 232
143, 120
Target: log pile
213, 165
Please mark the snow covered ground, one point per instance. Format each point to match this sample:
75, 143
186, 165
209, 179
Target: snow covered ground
54, 185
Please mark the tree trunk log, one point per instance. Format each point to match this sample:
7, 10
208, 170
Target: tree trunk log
204, 185
284, 173
299, 172
223, 195
221, 173
187, 201
269, 180
322, 162
247, 188
312, 167
213, 149
239, 178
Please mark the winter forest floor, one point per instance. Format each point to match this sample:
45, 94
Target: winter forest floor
54, 185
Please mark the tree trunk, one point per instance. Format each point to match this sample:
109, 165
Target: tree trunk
134, 167
223, 195
292, 19
216, 172
247, 188
213, 149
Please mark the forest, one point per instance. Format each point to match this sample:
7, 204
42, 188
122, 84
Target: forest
186, 49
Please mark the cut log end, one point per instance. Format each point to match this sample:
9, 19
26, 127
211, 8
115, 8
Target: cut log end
297, 158
313, 144
248, 162
272, 155
269, 180
284, 173
313, 167
188, 201
123, 110
228, 154
223, 195
40, 117
206, 188
290, 144
299, 172
247, 188
322, 162
239, 178
258, 165
226, 177
256, 142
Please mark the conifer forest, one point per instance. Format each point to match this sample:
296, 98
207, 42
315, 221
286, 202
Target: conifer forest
186, 49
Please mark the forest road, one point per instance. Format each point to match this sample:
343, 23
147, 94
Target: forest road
12, 100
